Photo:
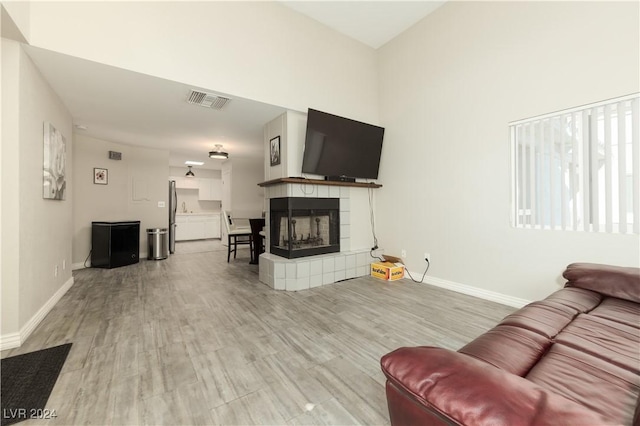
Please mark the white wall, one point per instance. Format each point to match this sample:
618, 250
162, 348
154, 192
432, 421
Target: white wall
16, 22
36, 232
10, 190
116, 201
258, 50
247, 198
451, 84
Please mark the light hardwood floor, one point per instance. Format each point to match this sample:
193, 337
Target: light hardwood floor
194, 340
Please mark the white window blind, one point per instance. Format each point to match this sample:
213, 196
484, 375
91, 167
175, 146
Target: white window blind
579, 169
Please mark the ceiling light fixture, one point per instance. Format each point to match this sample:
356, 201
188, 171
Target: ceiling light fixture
218, 153
193, 163
190, 174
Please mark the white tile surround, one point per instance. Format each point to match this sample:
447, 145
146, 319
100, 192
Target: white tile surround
313, 271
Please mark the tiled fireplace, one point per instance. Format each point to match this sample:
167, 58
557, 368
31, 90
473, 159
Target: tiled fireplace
312, 269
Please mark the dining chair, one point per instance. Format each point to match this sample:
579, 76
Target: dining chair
236, 236
258, 238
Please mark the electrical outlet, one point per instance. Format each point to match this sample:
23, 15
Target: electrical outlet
403, 253
64, 264
427, 257
55, 271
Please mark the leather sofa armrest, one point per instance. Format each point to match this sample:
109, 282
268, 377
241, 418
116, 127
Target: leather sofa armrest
615, 281
460, 389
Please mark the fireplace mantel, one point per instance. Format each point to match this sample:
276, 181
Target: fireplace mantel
318, 182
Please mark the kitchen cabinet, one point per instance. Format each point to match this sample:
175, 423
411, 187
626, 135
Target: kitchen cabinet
212, 227
209, 189
197, 226
185, 182
187, 229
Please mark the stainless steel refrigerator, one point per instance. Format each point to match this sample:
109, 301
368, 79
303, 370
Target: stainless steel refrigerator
173, 208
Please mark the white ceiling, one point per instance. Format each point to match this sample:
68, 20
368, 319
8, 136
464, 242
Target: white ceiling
373, 23
137, 109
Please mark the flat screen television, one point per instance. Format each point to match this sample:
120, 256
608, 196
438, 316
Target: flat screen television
340, 148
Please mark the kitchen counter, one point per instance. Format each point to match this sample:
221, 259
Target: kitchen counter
197, 226
198, 214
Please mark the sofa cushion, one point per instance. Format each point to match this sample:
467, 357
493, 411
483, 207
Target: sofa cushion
608, 340
577, 298
546, 319
614, 281
509, 348
618, 310
602, 387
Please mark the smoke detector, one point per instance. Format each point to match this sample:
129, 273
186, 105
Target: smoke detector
207, 100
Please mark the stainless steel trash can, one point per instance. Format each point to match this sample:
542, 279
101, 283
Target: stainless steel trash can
158, 243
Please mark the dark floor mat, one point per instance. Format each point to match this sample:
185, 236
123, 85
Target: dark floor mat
27, 382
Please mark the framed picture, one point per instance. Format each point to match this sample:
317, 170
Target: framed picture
100, 176
54, 181
275, 150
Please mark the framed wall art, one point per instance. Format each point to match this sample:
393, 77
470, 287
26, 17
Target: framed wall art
275, 150
100, 176
54, 182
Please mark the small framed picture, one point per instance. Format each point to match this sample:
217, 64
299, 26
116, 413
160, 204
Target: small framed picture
275, 150
100, 176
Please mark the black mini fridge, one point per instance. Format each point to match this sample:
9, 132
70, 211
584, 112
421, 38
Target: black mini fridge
115, 244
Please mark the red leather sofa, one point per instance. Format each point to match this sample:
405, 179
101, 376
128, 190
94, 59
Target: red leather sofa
570, 359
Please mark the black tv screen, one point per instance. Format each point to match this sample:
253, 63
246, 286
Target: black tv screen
340, 147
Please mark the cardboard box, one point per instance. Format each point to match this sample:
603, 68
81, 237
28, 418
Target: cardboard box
387, 271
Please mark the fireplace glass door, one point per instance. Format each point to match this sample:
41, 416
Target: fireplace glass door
304, 226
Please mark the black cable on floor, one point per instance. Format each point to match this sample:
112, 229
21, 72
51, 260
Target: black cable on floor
375, 257
423, 275
85, 261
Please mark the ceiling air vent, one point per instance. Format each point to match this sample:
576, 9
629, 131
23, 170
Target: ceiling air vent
207, 100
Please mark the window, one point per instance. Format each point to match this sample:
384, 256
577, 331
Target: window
578, 169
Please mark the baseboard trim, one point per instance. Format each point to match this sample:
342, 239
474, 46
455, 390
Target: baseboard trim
31, 325
9, 341
14, 340
474, 291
